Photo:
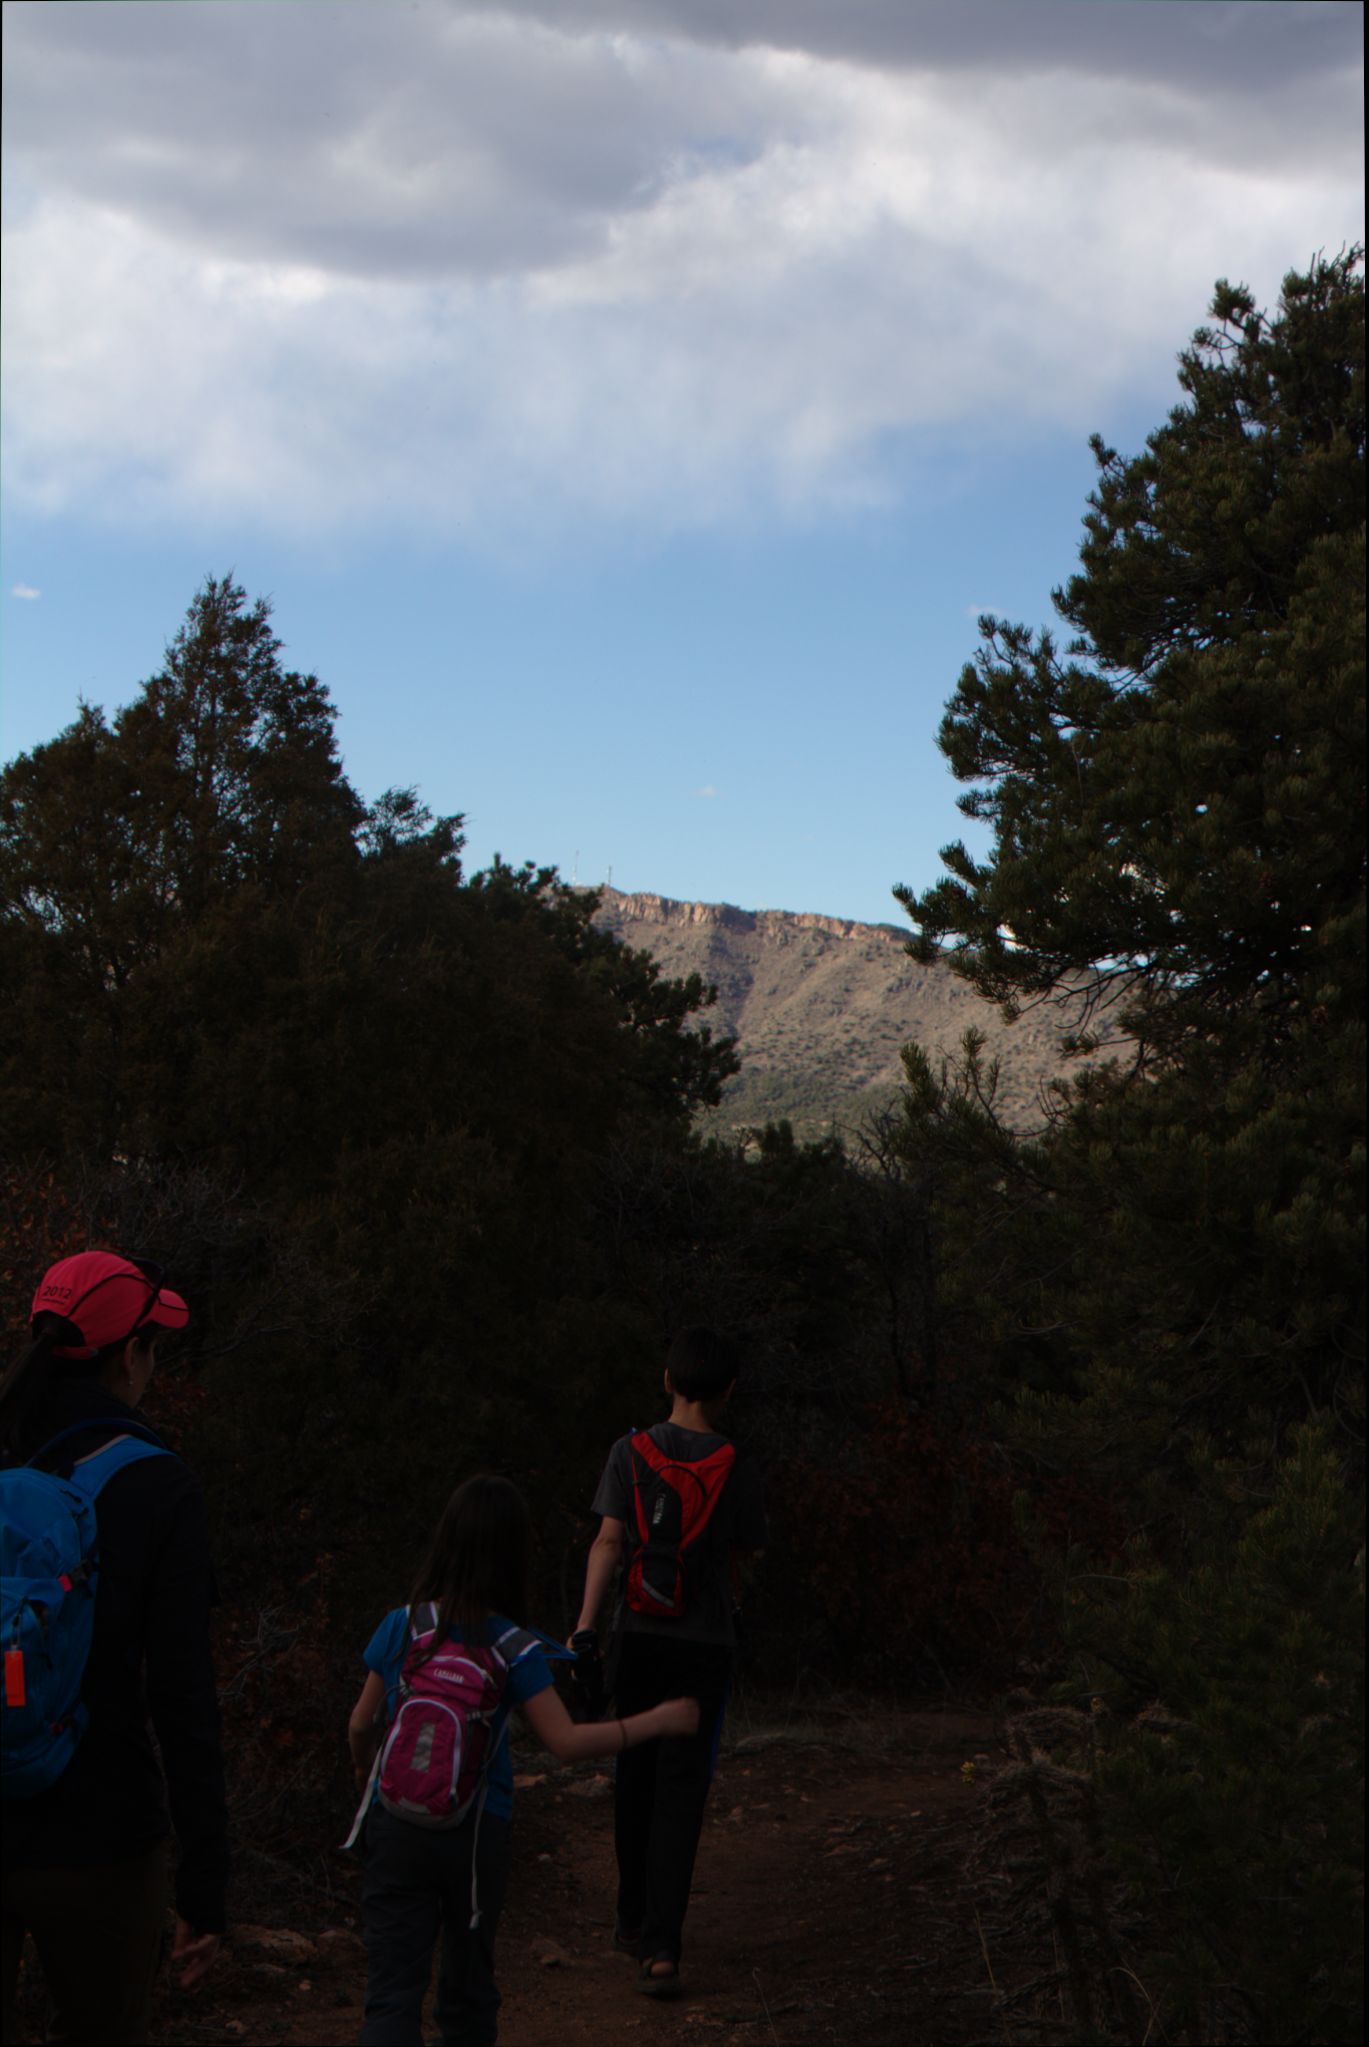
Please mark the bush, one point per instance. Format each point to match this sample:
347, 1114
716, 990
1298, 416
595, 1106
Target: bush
1231, 1780
902, 1551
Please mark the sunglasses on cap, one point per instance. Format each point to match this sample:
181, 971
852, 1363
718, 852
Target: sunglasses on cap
84, 1341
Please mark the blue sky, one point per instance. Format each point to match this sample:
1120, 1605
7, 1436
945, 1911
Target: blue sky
627, 407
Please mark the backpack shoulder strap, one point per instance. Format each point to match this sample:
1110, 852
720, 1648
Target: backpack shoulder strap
90, 1475
115, 1432
516, 1643
420, 1620
643, 1444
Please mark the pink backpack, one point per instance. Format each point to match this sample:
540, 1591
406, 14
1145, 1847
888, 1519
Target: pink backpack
436, 1756
433, 1766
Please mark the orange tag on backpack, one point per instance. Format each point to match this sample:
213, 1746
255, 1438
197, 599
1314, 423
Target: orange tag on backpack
15, 1693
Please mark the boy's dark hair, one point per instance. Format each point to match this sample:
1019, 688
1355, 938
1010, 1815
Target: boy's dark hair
477, 1562
702, 1364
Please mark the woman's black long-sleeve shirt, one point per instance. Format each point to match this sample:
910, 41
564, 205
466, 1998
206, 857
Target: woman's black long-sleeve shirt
150, 1671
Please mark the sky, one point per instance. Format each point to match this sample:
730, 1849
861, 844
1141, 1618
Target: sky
628, 406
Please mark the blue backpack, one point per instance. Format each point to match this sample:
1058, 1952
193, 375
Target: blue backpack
49, 1559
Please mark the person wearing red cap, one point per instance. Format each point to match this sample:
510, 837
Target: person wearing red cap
83, 1861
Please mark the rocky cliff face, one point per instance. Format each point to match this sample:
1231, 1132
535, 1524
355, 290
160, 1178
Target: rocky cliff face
663, 912
822, 1008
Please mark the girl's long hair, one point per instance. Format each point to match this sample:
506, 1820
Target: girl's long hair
477, 1562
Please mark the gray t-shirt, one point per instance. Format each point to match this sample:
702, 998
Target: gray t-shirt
737, 1523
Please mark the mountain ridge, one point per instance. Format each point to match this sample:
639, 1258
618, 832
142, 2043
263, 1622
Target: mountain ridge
822, 1007
645, 906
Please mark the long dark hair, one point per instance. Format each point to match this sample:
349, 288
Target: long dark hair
26, 1381
477, 1561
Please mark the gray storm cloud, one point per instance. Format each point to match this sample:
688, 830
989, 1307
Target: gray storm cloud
365, 140
486, 140
1217, 47
668, 261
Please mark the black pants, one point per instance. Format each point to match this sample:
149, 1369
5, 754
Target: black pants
417, 1884
661, 1788
98, 1933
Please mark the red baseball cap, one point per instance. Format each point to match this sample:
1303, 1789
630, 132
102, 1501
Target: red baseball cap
106, 1298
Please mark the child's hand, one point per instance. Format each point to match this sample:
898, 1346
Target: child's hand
679, 1716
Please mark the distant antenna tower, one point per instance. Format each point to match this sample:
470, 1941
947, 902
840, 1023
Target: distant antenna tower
610, 877
575, 870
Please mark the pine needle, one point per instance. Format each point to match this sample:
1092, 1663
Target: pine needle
984, 1949
756, 1978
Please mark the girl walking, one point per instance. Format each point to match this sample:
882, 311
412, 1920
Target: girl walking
429, 1743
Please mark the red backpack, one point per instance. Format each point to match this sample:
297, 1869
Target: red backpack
673, 1503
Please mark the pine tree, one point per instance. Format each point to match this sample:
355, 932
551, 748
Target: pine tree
1175, 798
1177, 804
1178, 810
221, 775
145, 864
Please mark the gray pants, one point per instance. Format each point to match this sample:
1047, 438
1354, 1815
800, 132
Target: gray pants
417, 1886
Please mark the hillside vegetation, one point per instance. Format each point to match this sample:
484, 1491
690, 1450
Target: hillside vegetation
821, 1008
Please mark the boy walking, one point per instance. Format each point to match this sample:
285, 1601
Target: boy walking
676, 1502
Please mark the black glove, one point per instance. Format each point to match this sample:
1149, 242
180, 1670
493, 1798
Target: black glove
587, 1673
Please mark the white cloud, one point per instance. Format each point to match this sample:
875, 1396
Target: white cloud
707, 790
25, 590
451, 270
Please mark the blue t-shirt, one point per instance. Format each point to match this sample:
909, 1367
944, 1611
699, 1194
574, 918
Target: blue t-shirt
385, 1653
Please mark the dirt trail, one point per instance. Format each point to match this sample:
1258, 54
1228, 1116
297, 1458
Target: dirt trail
828, 1907
822, 1908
